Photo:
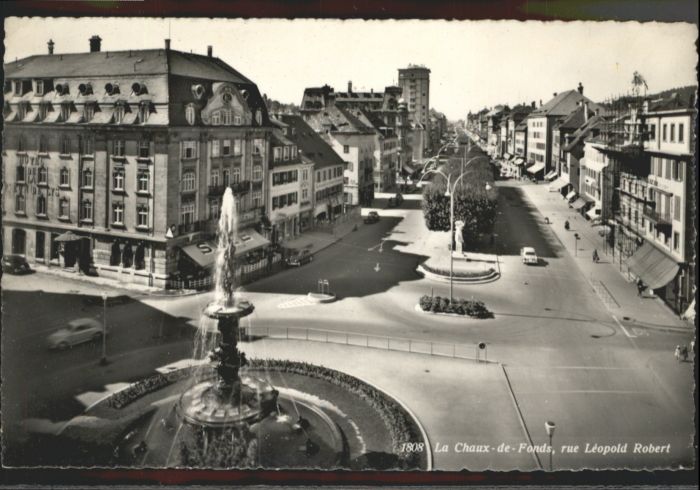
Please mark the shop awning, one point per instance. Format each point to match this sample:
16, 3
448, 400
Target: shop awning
652, 266
536, 168
558, 185
594, 212
550, 175
249, 240
203, 254
506, 156
570, 195
519, 161
578, 204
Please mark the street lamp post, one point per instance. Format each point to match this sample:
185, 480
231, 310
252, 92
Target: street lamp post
549, 427
103, 359
450, 191
576, 239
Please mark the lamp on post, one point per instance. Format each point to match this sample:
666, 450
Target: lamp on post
549, 427
450, 192
103, 359
576, 239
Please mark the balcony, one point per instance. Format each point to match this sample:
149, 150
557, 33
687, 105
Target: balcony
193, 227
659, 218
237, 188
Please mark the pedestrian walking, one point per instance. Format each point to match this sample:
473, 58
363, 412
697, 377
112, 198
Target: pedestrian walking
640, 287
595, 255
684, 352
677, 353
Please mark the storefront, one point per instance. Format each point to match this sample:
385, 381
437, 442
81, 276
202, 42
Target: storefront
536, 170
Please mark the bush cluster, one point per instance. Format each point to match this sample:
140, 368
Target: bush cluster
152, 383
459, 274
393, 415
466, 307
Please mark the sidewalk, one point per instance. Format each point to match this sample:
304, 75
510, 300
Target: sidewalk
314, 241
617, 292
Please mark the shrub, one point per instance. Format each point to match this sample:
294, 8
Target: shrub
437, 304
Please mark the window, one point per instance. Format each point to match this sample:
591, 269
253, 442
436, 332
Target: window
305, 194
189, 114
350, 166
86, 210
681, 133
226, 150
213, 210
118, 213
89, 112
65, 111
676, 170
216, 118
346, 149
188, 181
227, 178
119, 148
237, 147
257, 173
142, 216
42, 175
214, 177
64, 208
87, 178
39, 87
20, 203
43, 144
673, 133
119, 110
257, 199
142, 181
40, 245
275, 202
293, 152
277, 153
86, 147
258, 145
663, 132
21, 173
65, 146
18, 88
677, 208
144, 148
118, 180
676, 241
227, 117
215, 148
237, 120
305, 174
64, 177
187, 212
144, 111
189, 149
236, 175
285, 152
652, 132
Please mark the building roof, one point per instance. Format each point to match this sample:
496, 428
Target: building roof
120, 63
584, 131
563, 104
311, 144
576, 119
682, 98
338, 120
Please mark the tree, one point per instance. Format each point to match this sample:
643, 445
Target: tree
638, 81
473, 204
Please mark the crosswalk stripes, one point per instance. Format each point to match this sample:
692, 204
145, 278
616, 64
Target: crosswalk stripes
296, 303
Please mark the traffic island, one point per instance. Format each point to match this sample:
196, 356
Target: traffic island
322, 297
479, 273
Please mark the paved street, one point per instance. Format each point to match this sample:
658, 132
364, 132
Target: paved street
565, 357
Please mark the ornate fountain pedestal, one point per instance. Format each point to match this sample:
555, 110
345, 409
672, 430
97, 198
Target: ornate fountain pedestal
229, 399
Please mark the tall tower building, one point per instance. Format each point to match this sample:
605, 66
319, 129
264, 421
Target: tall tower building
415, 83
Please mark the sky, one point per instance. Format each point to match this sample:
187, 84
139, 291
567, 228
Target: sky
474, 64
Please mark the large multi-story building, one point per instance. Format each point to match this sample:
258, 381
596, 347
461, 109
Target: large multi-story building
415, 84
326, 193
540, 124
386, 151
119, 159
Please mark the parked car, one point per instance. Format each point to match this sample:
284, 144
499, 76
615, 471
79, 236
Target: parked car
372, 217
528, 255
297, 259
15, 264
76, 332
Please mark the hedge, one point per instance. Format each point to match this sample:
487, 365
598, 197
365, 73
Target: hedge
438, 304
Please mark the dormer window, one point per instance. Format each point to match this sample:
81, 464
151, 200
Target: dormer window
39, 87
89, 112
43, 110
237, 121
227, 117
144, 111
22, 109
189, 114
18, 87
65, 111
119, 111
85, 89
216, 118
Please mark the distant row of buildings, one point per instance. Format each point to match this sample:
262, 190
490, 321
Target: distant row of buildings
627, 165
116, 162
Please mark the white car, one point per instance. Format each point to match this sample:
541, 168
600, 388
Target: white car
528, 255
76, 332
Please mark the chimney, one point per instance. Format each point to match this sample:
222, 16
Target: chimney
350, 87
95, 44
540, 102
533, 104
167, 44
51, 44
580, 88
210, 51
585, 111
